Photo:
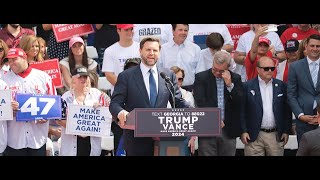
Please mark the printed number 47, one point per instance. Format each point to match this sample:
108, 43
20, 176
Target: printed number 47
33, 109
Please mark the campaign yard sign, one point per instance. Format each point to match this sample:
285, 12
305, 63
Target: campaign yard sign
38, 106
6, 112
52, 68
64, 32
88, 121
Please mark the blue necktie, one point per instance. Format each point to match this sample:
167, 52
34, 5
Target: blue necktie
314, 76
314, 73
153, 89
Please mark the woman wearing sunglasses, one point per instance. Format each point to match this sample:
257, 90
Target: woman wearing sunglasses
187, 96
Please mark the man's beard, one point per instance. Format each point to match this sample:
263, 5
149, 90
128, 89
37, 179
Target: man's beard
15, 25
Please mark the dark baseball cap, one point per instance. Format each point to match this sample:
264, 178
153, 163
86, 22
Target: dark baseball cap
134, 61
80, 70
292, 45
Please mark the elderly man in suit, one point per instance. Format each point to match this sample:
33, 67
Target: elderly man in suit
304, 87
219, 87
265, 115
142, 87
309, 143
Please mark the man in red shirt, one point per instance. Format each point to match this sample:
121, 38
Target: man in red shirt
12, 33
260, 47
299, 33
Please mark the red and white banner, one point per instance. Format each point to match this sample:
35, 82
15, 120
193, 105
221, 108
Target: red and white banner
236, 30
65, 32
52, 68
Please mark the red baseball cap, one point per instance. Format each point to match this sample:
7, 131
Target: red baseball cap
264, 40
124, 26
16, 52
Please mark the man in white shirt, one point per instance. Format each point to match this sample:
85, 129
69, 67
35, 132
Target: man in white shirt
265, 114
163, 32
26, 138
181, 53
116, 55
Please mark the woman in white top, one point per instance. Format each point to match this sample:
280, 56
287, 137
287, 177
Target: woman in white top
82, 94
77, 56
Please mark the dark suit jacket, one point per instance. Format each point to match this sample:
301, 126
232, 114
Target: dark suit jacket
205, 95
129, 93
252, 110
310, 143
301, 91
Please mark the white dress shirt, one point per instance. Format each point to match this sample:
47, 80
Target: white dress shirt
266, 90
185, 56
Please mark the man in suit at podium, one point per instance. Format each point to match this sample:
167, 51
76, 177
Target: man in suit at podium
142, 87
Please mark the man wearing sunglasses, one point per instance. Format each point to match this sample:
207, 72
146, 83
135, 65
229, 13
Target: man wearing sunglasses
265, 115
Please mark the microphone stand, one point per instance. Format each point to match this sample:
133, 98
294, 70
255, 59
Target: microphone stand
172, 93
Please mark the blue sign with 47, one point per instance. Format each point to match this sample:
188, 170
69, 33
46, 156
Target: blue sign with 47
38, 106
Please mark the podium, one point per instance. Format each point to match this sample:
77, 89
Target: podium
173, 126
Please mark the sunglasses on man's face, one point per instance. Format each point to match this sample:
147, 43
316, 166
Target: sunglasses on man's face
180, 79
268, 68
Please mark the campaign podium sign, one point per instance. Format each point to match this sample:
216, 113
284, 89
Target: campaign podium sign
173, 126
38, 106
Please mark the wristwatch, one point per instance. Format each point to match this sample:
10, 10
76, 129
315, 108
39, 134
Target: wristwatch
231, 86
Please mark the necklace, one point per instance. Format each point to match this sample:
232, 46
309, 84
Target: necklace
80, 99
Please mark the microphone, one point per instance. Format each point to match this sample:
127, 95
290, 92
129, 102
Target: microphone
172, 92
166, 78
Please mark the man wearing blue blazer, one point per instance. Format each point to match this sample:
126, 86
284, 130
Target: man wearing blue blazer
142, 87
304, 87
265, 115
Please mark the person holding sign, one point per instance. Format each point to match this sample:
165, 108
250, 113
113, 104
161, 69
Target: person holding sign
26, 138
142, 87
80, 93
3, 125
